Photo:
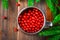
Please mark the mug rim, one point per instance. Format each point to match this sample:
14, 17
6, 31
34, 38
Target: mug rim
25, 9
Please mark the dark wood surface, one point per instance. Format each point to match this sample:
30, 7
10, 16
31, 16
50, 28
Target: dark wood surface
7, 26
0, 22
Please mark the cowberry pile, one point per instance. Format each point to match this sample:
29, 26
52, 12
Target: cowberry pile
31, 20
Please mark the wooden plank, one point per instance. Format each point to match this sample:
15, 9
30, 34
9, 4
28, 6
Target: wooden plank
5, 27
0, 22
4, 24
12, 22
3, 37
19, 33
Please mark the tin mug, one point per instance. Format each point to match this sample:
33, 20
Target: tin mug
27, 29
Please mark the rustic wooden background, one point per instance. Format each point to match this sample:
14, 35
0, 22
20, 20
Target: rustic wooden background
7, 25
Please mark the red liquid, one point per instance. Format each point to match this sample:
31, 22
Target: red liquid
31, 20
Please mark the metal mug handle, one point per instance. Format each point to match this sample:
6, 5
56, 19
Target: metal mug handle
48, 24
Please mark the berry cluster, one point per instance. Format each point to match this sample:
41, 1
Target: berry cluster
31, 20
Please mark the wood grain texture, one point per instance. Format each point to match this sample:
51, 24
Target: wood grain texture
6, 26
0, 23
12, 19
9, 24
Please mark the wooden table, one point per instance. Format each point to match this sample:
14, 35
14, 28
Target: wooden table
9, 24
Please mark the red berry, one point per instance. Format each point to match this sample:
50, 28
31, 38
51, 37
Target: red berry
39, 18
33, 18
33, 11
40, 15
4, 17
15, 29
22, 18
38, 23
27, 20
36, 10
33, 29
19, 19
23, 24
36, 13
17, 4
28, 14
42, 20
29, 11
30, 25
27, 26
24, 21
